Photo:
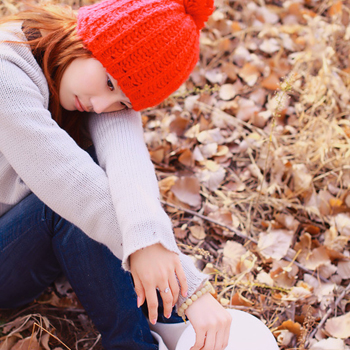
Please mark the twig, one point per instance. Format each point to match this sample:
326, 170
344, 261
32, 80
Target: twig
38, 325
240, 234
329, 311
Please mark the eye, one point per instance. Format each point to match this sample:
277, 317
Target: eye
124, 105
110, 84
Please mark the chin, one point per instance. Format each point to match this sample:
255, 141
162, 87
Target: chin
69, 109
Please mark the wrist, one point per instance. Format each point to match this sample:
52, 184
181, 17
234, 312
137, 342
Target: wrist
202, 290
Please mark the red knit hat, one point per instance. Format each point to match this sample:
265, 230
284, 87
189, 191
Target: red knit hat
149, 46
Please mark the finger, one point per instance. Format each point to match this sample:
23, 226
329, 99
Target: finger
223, 332
182, 279
174, 286
210, 341
139, 291
167, 297
152, 304
220, 339
227, 331
200, 339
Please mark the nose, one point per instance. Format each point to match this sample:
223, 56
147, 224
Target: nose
105, 103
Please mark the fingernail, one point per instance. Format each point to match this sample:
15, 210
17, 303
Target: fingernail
138, 301
168, 316
154, 321
185, 294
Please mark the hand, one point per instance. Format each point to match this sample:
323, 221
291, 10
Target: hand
211, 322
156, 267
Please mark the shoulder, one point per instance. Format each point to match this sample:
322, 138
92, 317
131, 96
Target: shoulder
11, 31
17, 60
13, 44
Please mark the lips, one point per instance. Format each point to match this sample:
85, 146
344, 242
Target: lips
78, 105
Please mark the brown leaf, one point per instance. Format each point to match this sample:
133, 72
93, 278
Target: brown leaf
335, 9
339, 327
302, 178
225, 217
228, 91
187, 189
283, 273
271, 82
186, 158
179, 125
249, 74
210, 136
342, 222
19, 324
246, 109
198, 232
311, 258
180, 233
212, 176
270, 46
233, 252
275, 244
236, 27
9, 342
239, 300
329, 344
30, 343
157, 156
344, 269
293, 327
166, 184
231, 70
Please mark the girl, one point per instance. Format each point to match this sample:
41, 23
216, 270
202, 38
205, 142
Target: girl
82, 76
93, 213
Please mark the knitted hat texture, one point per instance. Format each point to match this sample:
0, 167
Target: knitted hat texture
149, 46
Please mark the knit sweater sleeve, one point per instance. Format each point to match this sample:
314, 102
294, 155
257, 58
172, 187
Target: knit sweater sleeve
134, 188
47, 159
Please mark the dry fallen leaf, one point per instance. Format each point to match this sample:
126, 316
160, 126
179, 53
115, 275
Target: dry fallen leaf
187, 189
339, 327
342, 222
249, 73
198, 232
275, 244
344, 269
293, 327
329, 344
228, 91
269, 45
29, 343
233, 252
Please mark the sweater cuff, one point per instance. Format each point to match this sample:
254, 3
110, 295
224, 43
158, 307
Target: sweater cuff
194, 278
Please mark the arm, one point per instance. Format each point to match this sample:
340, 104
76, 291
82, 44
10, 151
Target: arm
148, 239
46, 158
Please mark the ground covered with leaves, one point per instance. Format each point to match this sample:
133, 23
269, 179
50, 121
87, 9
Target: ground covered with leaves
252, 156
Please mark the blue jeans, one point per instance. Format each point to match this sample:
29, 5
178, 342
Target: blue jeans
37, 245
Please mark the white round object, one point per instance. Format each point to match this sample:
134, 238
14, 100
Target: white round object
247, 333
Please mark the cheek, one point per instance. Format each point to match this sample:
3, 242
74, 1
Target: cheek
66, 97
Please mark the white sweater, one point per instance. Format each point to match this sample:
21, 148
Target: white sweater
115, 203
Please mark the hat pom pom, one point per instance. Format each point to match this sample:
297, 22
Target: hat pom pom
200, 10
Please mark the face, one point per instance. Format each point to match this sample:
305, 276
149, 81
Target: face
86, 86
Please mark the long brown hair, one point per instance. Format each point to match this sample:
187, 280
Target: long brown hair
58, 48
